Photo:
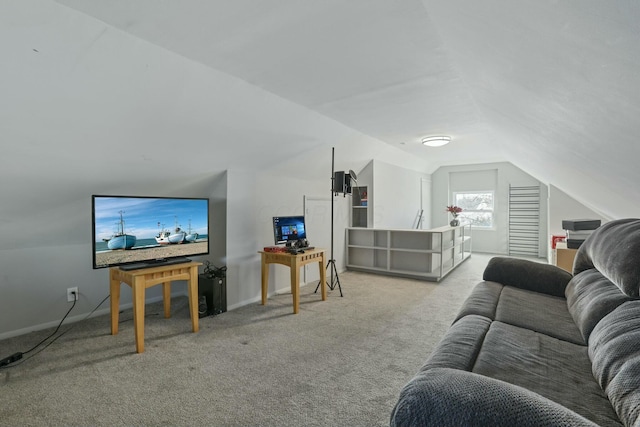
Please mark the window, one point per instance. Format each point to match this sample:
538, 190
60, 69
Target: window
477, 207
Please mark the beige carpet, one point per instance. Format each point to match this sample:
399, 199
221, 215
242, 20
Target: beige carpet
340, 362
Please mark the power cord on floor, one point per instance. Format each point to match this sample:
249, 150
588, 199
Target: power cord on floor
211, 271
9, 362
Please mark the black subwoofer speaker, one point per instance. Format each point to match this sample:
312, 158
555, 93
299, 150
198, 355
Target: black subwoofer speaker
214, 291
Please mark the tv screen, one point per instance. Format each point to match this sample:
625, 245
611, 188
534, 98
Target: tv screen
288, 229
145, 231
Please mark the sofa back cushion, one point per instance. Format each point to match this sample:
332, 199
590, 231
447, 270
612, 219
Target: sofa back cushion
590, 297
614, 250
614, 350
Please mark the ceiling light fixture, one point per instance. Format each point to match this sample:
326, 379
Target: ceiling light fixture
436, 141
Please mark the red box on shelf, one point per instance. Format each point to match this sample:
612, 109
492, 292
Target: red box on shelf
557, 238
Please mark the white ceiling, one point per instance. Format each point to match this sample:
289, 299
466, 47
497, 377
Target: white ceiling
551, 86
377, 66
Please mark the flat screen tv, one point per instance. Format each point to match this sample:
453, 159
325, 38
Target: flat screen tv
138, 232
288, 229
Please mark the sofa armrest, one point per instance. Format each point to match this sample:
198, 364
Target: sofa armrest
529, 275
450, 397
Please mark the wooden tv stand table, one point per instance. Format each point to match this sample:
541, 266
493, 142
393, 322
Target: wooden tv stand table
294, 262
144, 278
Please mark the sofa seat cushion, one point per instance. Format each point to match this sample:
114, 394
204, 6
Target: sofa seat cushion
539, 312
482, 301
556, 369
461, 345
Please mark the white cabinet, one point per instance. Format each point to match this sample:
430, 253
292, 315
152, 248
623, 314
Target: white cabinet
359, 207
424, 254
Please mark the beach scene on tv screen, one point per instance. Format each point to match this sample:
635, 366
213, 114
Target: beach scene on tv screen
138, 229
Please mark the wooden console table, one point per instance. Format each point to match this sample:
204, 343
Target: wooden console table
144, 278
294, 262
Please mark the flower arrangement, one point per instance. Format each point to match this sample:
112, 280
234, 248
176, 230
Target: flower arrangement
454, 210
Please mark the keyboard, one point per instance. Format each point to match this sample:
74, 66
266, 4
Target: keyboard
300, 250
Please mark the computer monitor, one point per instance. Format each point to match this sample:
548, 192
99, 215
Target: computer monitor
288, 229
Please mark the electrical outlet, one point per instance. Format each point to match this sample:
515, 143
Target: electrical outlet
70, 294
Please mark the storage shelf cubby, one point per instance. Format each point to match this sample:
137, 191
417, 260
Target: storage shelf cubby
423, 254
359, 207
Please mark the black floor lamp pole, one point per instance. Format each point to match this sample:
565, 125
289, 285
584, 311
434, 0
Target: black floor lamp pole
331, 264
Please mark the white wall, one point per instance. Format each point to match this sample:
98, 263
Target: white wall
93, 110
218, 221
562, 206
34, 278
469, 177
243, 237
425, 203
254, 198
395, 194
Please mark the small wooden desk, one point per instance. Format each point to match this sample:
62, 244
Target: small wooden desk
144, 278
294, 262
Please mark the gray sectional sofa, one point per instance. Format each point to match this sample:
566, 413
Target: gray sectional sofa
536, 346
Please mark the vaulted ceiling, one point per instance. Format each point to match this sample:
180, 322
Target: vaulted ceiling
552, 87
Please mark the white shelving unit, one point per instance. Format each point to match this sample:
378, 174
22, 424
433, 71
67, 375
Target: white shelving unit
359, 207
423, 254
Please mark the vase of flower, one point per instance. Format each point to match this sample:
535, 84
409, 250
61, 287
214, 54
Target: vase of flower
454, 211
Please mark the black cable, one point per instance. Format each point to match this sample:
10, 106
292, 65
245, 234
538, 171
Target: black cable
214, 272
52, 334
11, 360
